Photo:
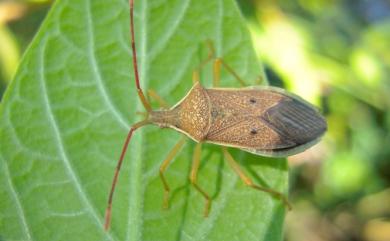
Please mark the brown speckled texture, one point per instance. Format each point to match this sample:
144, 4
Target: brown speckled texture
255, 120
194, 114
235, 119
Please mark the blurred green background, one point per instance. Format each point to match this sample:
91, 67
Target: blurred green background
334, 53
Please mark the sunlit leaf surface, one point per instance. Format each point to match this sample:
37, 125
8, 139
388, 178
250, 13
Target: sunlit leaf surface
66, 114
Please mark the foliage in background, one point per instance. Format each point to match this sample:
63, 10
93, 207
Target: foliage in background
19, 22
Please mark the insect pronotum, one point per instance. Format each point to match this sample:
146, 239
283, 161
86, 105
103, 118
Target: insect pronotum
262, 120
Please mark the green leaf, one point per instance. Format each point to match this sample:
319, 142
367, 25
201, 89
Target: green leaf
66, 114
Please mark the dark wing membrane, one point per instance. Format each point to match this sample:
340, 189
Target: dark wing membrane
295, 121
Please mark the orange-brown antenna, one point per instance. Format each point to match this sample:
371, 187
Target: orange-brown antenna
134, 127
139, 90
118, 167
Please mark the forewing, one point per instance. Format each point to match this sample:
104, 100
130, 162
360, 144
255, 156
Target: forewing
248, 132
294, 120
265, 121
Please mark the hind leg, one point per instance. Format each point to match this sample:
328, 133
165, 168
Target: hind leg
250, 183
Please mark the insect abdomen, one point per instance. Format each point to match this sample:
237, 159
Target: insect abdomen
262, 121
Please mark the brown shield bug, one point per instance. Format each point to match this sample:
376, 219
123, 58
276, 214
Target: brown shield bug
266, 121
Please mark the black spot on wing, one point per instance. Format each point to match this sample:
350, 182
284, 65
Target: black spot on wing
295, 121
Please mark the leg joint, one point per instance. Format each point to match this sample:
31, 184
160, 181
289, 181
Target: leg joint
193, 179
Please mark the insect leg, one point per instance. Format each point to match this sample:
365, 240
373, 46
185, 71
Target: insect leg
164, 166
195, 76
193, 177
230, 70
158, 98
210, 56
216, 72
249, 182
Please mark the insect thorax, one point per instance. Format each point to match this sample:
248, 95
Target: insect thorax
190, 116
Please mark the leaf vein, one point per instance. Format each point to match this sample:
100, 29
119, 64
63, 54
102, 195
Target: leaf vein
58, 138
19, 206
171, 30
96, 69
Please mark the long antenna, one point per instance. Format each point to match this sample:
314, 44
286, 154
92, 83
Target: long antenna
118, 168
134, 127
139, 90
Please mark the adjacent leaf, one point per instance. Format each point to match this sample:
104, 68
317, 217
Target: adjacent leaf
66, 114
